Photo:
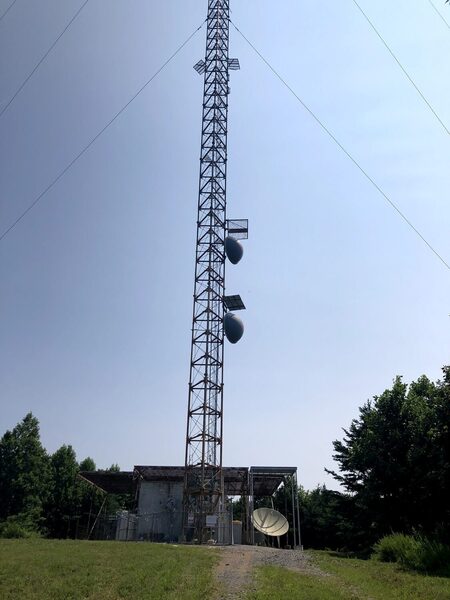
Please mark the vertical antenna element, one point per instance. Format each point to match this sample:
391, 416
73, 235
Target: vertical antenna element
203, 485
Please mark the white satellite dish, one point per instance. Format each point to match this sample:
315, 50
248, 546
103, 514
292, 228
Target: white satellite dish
270, 521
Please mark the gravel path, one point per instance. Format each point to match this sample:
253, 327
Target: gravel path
235, 569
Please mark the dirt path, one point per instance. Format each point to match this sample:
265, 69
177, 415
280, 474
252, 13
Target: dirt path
234, 572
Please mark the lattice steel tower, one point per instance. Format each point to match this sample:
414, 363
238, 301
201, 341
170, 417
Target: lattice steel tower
203, 492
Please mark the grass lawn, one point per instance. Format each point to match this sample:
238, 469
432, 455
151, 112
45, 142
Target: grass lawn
348, 579
76, 570
278, 583
72, 570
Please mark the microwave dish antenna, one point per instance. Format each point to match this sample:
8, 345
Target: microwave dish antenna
270, 522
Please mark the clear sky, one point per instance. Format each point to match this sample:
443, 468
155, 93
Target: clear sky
96, 282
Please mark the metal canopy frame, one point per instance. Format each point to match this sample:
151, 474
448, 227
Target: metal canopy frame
278, 475
236, 479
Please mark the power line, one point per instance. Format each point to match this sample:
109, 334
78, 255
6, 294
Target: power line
8, 9
439, 13
401, 67
95, 138
22, 85
346, 152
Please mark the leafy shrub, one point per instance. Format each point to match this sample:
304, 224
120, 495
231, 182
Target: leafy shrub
17, 527
414, 552
13, 530
433, 557
395, 547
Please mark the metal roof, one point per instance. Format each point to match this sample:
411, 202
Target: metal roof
266, 480
235, 478
121, 482
274, 470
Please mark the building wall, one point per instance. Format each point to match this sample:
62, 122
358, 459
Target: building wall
160, 511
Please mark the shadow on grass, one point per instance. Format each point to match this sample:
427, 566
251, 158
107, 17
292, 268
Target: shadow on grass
444, 572
349, 554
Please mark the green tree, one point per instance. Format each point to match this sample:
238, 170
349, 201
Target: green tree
114, 468
24, 474
65, 498
443, 442
88, 464
394, 460
327, 519
373, 461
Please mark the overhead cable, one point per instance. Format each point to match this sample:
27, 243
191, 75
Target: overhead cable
344, 150
7, 10
25, 81
95, 138
405, 72
439, 13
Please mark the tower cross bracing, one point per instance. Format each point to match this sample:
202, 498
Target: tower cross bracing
203, 492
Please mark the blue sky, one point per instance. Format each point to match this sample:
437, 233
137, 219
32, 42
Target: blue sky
96, 282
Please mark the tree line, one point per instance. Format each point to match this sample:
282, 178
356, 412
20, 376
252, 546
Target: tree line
41, 493
393, 467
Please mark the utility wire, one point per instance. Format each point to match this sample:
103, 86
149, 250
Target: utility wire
439, 13
95, 138
401, 67
344, 150
7, 10
22, 85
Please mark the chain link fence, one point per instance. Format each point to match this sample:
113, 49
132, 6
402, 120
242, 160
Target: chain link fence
165, 526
